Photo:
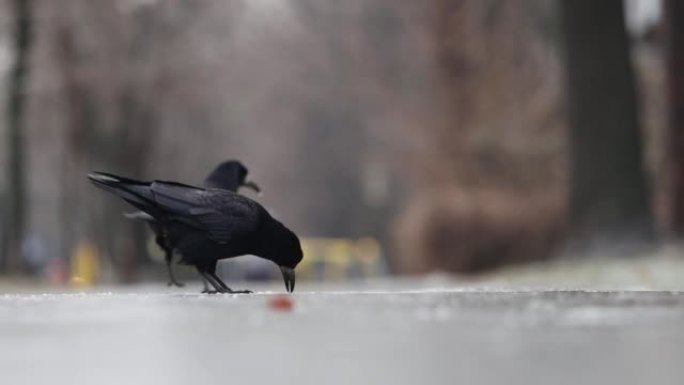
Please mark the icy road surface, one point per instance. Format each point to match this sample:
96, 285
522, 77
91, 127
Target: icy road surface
410, 337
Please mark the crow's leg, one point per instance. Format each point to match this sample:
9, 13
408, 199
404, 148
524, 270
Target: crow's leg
218, 280
208, 271
208, 278
206, 282
229, 290
172, 278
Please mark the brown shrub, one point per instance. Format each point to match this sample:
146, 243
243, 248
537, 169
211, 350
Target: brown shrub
467, 232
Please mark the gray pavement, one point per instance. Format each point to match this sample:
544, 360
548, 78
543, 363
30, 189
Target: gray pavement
429, 336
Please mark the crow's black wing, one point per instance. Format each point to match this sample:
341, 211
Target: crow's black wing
137, 193
223, 215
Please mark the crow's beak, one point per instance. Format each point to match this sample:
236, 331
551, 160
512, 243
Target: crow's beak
252, 185
289, 278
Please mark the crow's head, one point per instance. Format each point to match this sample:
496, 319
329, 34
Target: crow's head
230, 175
289, 255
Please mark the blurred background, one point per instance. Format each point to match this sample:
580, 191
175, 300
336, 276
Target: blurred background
517, 138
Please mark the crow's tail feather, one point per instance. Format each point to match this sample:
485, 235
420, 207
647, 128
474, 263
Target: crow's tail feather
134, 192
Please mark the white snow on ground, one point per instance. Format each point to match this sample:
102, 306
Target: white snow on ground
381, 337
587, 321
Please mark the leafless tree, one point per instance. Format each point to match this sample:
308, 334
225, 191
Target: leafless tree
674, 26
610, 196
15, 223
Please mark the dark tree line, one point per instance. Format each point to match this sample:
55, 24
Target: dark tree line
119, 73
17, 189
610, 196
674, 40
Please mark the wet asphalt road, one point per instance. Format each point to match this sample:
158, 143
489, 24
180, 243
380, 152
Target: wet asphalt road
379, 337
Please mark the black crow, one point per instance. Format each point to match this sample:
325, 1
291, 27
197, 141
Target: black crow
209, 224
229, 175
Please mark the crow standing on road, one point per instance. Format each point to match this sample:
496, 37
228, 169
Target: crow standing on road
206, 225
229, 175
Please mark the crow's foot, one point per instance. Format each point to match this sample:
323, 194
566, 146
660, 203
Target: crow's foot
239, 292
227, 291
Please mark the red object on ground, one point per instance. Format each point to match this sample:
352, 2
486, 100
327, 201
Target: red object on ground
281, 303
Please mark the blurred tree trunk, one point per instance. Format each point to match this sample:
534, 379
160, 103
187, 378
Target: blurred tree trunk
674, 24
609, 194
16, 170
136, 127
135, 132
112, 120
80, 115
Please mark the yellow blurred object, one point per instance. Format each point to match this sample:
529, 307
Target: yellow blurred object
368, 253
340, 258
85, 264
